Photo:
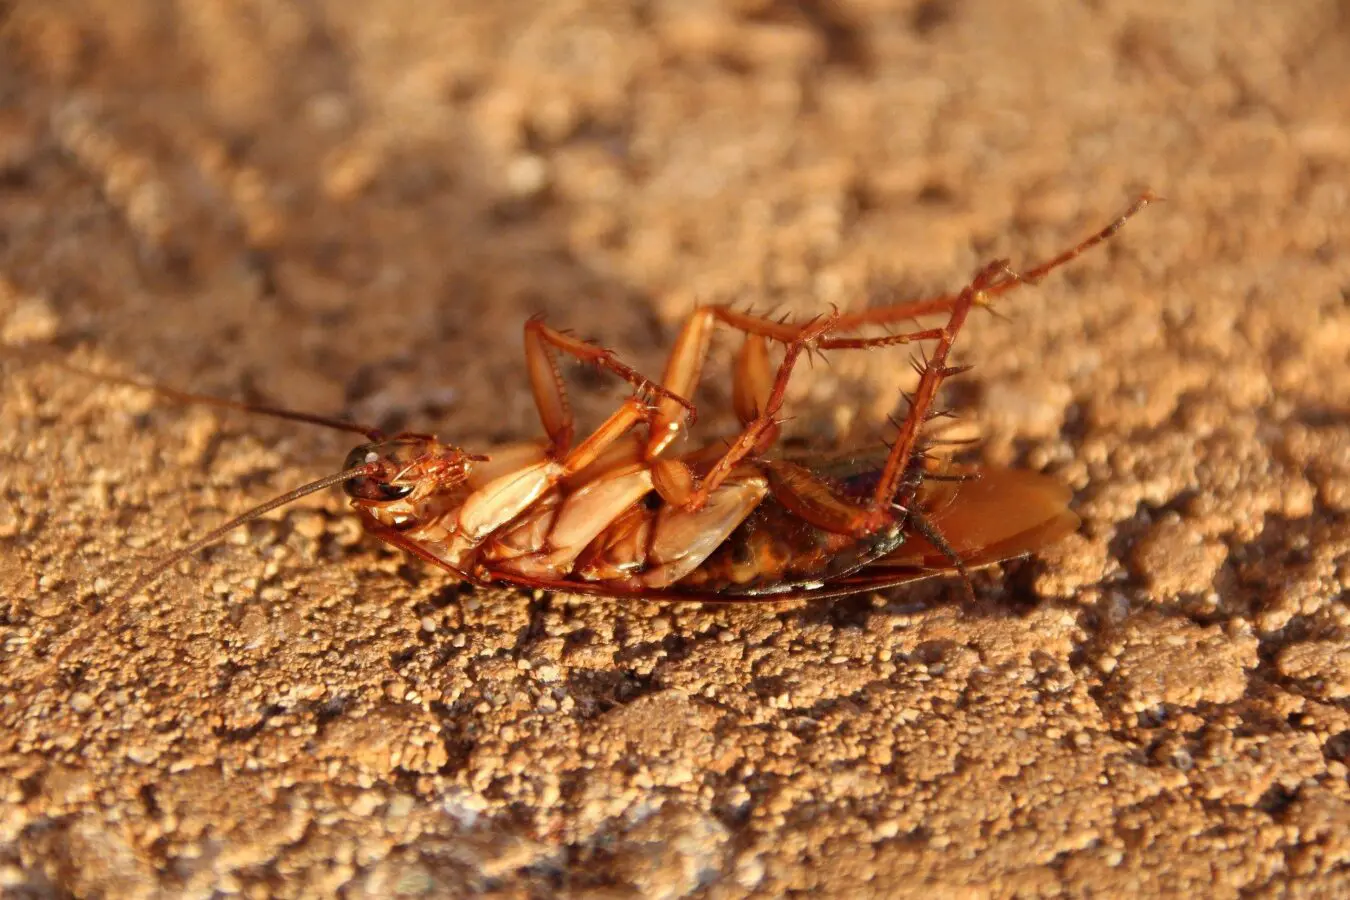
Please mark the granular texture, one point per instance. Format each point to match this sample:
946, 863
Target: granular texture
346, 206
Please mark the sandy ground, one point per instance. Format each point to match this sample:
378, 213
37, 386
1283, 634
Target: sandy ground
347, 206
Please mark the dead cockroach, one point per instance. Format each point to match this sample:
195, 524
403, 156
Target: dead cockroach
616, 514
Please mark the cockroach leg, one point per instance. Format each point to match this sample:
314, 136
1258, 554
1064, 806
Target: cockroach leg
937, 539
685, 366
761, 430
934, 372
397, 539
681, 375
550, 393
911, 309
996, 278
758, 395
1040, 270
752, 378
754, 382
620, 422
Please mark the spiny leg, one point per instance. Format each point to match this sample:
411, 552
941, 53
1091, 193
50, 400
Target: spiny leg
928, 530
895, 486
933, 372
759, 412
754, 380
758, 392
1033, 274
802, 491
685, 365
550, 393
691, 347
761, 430
799, 488
759, 396
996, 278
910, 309
754, 385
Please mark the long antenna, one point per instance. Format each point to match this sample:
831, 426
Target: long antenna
185, 397
120, 605
148, 577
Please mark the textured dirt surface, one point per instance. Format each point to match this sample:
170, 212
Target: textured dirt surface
344, 206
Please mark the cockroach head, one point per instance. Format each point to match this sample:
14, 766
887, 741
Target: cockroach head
399, 467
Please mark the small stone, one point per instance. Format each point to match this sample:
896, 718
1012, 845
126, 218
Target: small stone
399, 806
1164, 661
1324, 665
31, 319
526, 175
309, 523
142, 755
49, 605
1175, 558
366, 803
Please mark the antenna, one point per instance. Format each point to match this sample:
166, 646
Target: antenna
119, 606
187, 398
146, 578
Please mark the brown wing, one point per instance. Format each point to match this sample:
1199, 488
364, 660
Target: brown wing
1001, 514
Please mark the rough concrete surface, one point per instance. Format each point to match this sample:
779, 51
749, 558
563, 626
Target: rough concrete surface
347, 206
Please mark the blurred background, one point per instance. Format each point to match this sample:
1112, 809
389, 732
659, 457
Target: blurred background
356, 204
347, 206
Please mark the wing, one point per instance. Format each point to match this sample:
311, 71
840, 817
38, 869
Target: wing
1001, 514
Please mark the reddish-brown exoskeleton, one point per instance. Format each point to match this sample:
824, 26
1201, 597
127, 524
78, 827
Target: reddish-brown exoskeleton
619, 514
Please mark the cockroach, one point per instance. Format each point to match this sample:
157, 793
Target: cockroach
618, 514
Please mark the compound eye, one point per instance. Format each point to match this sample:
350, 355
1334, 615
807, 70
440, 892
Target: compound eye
366, 453
371, 488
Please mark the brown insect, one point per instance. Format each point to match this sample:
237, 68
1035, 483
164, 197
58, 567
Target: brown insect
619, 514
